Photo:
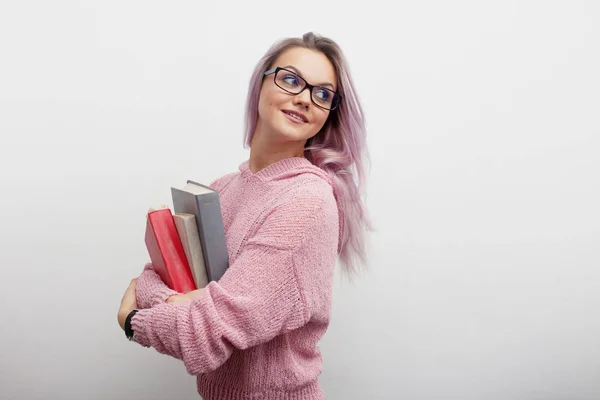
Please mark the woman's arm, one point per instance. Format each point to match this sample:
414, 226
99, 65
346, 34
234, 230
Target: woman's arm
150, 290
282, 276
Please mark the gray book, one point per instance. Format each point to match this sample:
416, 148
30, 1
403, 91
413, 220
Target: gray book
203, 202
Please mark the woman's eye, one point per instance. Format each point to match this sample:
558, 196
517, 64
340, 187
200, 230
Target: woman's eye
291, 79
323, 94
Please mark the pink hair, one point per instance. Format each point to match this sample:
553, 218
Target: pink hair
339, 148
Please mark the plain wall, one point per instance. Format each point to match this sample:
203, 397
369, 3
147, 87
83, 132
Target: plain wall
484, 279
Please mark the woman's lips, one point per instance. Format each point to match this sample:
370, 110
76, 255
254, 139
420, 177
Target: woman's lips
295, 119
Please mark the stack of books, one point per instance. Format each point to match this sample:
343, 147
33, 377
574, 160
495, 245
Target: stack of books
187, 245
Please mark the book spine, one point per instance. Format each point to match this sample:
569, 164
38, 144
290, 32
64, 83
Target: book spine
188, 232
155, 254
212, 234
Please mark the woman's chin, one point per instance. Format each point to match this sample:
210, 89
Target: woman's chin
292, 136
293, 133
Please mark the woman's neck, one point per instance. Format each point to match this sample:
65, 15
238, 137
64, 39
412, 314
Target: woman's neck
265, 152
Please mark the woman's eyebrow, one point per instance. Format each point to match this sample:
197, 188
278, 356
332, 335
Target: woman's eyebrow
296, 70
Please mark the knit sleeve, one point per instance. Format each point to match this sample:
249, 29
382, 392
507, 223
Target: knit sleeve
150, 290
274, 286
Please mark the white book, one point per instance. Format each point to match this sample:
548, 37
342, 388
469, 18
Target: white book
190, 239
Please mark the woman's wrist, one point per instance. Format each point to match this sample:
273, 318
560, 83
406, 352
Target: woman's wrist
195, 293
123, 313
177, 298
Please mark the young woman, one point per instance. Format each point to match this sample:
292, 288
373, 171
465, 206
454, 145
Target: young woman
289, 212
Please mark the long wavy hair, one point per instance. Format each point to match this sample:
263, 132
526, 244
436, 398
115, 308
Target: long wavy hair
339, 148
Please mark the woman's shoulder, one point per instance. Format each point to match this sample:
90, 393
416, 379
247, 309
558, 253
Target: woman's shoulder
311, 188
308, 195
221, 182
305, 210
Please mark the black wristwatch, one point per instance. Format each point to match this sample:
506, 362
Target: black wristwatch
128, 330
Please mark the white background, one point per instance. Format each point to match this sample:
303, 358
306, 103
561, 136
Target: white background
483, 118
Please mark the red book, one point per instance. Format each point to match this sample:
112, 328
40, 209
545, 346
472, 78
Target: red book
166, 251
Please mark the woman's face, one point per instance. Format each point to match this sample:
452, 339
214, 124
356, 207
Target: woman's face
275, 104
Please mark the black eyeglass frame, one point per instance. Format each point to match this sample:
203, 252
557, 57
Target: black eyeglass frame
337, 98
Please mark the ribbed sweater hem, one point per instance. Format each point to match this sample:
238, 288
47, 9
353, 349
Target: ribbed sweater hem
211, 390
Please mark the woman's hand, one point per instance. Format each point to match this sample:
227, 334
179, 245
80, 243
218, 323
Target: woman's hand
185, 297
128, 303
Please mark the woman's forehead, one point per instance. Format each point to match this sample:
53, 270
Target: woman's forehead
312, 65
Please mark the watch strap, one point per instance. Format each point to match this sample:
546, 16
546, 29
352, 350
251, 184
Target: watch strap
128, 330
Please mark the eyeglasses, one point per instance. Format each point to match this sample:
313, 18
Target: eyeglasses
295, 84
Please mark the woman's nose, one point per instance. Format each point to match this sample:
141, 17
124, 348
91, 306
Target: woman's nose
303, 97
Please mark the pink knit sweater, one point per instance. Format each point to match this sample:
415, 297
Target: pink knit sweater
254, 333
